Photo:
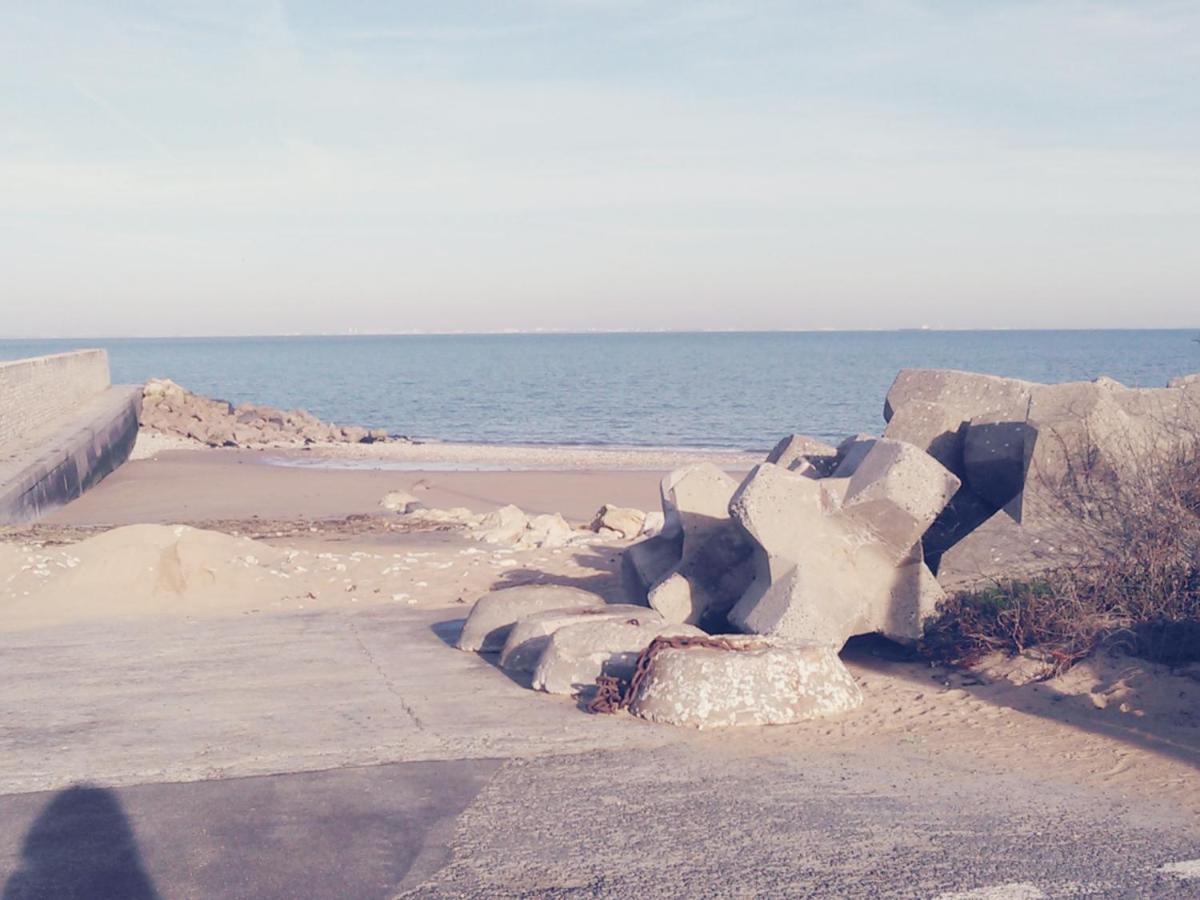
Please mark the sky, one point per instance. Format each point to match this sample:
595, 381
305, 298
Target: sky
214, 167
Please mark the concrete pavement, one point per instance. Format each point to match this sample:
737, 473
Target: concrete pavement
355, 754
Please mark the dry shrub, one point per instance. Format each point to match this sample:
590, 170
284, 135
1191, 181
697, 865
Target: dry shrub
1137, 587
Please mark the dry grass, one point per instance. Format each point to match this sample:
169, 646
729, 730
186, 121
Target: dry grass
1136, 589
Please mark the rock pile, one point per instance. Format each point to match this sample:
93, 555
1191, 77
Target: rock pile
974, 478
510, 526
170, 409
568, 640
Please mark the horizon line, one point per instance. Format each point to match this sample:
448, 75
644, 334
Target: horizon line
577, 332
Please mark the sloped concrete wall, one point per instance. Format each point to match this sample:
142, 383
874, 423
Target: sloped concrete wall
63, 427
35, 392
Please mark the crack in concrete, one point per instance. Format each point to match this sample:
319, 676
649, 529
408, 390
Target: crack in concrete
387, 680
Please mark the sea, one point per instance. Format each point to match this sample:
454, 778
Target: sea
688, 390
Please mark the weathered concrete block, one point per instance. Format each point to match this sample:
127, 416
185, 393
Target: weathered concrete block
530, 635
577, 654
965, 394
713, 567
804, 454
492, 617
763, 682
647, 562
932, 427
823, 572
896, 493
994, 456
851, 452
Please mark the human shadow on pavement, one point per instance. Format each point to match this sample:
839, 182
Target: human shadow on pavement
80, 846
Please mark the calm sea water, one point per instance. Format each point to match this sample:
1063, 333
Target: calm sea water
686, 390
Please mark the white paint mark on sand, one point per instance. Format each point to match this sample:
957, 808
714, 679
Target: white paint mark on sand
1016, 890
1188, 868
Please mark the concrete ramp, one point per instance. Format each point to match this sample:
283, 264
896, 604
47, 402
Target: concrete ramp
63, 427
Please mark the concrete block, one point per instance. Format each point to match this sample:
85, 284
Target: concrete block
577, 654
493, 615
761, 682
531, 634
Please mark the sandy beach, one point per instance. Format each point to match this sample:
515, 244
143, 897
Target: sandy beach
213, 617
1108, 728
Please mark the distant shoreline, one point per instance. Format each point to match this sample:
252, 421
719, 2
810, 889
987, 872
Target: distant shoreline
419, 456
907, 329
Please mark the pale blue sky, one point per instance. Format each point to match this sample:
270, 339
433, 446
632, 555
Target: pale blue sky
271, 167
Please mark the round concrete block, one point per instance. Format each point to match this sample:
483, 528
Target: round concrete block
530, 635
760, 682
577, 654
493, 615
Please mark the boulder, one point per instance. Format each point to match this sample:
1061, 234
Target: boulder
547, 530
529, 636
625, 521
825, 572
493, 615
654, 523
577, 654
752, 681
401, 502
503, 526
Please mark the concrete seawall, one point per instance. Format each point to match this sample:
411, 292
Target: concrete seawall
63, 427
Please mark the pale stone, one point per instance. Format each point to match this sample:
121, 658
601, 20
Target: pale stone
530, 635
764, 682
577, 654
490, 620
624, 520
653, 524
504, 526
399, 501
547, 530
